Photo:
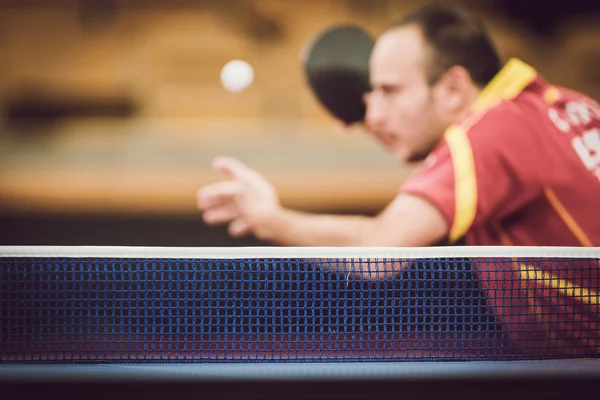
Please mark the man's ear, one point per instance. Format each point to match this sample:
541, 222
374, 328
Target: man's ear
453, 89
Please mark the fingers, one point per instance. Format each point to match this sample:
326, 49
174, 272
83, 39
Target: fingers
218, 194
230, 202
221, 214
234, 169
240, 227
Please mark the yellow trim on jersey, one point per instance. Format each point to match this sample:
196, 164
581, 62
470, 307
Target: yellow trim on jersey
566, 288
567, 218
551, 95
506, 85
465, 182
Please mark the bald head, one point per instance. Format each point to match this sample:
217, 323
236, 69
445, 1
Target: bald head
399, 54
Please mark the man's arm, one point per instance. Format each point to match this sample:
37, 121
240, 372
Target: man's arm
249, 204
407, 221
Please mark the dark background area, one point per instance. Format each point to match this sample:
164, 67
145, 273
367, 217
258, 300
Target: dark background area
114, 230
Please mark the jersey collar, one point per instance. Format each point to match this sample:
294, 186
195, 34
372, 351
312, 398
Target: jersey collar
506, 85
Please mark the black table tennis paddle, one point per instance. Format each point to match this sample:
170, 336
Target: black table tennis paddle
336, 65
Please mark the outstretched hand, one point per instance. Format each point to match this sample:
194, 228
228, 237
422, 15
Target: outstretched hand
243, 202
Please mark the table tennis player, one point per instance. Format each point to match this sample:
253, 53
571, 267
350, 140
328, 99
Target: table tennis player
507, 159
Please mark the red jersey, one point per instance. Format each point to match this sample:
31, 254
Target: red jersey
524, 169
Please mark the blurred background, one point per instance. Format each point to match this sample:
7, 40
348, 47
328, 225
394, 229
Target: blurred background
112, 110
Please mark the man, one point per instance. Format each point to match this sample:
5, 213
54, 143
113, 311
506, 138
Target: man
508, 160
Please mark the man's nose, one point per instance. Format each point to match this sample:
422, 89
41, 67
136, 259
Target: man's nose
374, 115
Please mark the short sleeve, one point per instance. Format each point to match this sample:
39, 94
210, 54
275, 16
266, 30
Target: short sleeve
434, 181
481, 174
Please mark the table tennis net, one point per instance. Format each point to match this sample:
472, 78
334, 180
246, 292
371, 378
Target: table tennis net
63, 305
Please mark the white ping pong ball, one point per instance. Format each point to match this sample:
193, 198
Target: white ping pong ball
237, 75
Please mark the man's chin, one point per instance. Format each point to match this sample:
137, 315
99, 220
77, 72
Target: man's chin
410, 158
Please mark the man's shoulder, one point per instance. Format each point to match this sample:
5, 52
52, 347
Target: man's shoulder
505, 114
505, 122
